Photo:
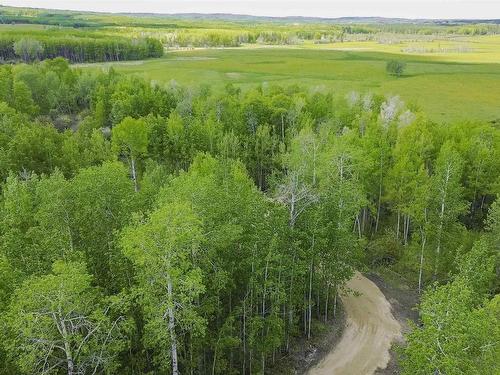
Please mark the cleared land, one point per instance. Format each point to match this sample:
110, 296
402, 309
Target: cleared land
446, 86
367, 338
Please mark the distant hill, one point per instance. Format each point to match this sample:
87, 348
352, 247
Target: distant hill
301, 19
10, 14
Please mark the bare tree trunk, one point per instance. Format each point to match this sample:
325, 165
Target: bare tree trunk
363, 221
215, 358
326, 301
438, 247
134, 175
290, 307
358, 221
441, 219
407, 232
318, 306
335, 303
282, 129
404, 229
250, 362
171, 328
191, 364
420, 271
397, 226
310, 301
67, 349
263, 358
379, 196
264, 291
304, 310
244, 337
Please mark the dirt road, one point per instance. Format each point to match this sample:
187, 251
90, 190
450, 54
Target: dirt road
370, 330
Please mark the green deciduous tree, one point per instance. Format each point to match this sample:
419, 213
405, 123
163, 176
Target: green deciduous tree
446, 204
28, 49
163, 250
102, 202
59, 323
460, 326
395, 67
130, 138
22, 98
456, 338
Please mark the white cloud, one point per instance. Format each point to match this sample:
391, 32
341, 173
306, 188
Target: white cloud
321, 8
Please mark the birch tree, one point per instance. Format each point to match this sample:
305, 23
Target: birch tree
102, 200
342, 199
455, 336
163, 249
297, 189
59, 323
446, 204
459, 331
130, 138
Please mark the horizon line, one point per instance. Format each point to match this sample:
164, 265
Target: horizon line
248, 15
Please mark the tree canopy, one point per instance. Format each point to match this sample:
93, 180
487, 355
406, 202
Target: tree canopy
163, 229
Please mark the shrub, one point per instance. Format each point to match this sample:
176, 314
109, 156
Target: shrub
395, 67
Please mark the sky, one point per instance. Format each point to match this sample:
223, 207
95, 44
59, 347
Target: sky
316, 8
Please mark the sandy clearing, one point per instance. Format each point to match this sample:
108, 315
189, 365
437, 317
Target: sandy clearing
369, 332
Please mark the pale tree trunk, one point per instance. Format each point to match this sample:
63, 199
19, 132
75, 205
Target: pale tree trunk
215, 357
397, 226
310, 292
67, 349
438, 249
134, 175
264, 291
292, 211
358, 222
318, 306
335, 303
441, 223
363, 220
244, 336
326, 302
171, 328
314, 164
379, 196
263, 359
310, 301
408, 220
282, 129
304, 318
250, 360
420, 271
290, 307
406, 229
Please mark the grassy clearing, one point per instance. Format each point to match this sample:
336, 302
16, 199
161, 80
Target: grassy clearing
466, 49
445, 90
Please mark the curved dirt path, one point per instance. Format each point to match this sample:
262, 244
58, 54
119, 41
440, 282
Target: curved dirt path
369, 332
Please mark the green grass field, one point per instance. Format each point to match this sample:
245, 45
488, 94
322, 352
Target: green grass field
446, 90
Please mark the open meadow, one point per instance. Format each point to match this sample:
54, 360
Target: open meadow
447, 86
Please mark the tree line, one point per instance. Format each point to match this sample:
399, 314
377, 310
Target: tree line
77, 48
150, 228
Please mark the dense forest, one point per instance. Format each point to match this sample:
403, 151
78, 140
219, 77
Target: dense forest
150, 228
76, 46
